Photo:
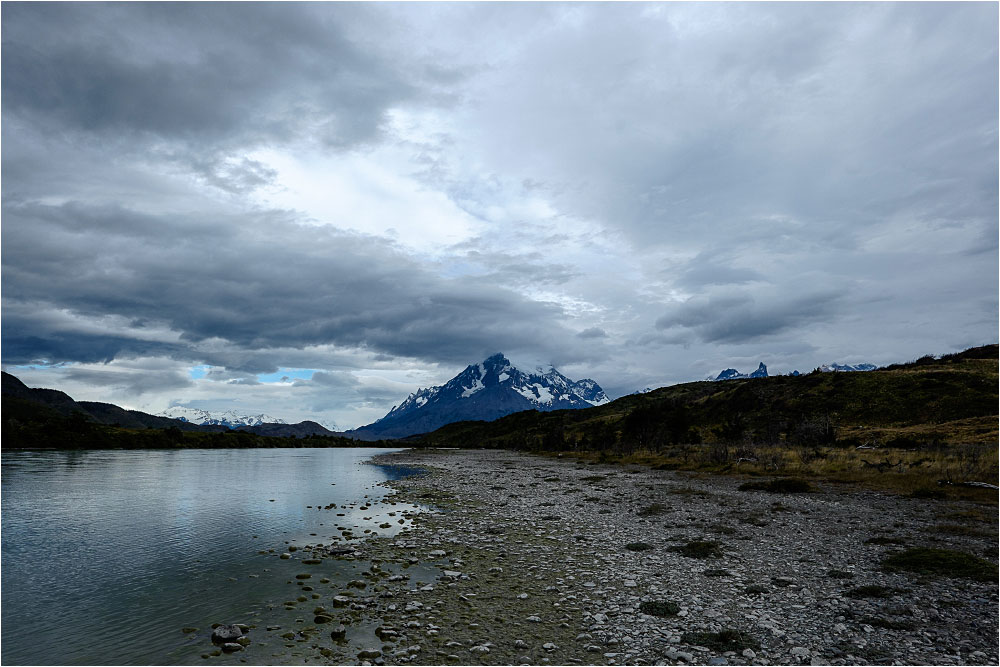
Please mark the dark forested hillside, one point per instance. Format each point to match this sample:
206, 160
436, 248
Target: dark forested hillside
50, 419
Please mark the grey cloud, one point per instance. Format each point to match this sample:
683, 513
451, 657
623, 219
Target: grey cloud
339, 379
203, 74
130, 382
592, 332
738, 317
281, 285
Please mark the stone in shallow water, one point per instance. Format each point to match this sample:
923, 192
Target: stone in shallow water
226, 633
232, 647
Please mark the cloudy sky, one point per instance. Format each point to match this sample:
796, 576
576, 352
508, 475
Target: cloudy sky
312, 210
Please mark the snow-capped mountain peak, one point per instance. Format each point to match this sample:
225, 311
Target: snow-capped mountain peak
488, 390
229, 418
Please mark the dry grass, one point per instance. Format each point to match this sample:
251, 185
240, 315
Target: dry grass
887, 469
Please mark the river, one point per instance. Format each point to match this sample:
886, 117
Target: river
108, 554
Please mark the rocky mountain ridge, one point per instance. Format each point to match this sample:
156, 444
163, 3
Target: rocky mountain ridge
485, 391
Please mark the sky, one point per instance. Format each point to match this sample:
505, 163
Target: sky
312, 210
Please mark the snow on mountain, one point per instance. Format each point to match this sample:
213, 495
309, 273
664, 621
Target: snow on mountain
230, 418
485, 391
846, 368
733, 374
761, 372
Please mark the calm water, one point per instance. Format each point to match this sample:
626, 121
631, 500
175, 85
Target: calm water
108, 554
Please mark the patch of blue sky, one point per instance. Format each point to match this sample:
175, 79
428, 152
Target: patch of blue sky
198, 372
41, 365
286, 374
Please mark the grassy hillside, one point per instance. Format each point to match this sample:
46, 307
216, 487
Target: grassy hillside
935, 416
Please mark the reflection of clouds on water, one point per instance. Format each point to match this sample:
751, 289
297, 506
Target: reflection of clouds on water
165, 539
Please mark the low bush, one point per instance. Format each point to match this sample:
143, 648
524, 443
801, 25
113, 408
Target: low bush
944, 562
840, 574
698, 549
870, 591
638, 546
888, 623
652, 510
726, 640
660, 608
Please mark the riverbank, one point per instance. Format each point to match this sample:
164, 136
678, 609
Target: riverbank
542, 560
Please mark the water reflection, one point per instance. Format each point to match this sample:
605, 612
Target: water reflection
107, 554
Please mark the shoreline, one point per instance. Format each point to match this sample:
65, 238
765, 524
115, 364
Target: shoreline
544, 560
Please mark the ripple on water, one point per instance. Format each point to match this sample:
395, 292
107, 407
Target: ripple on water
104, 548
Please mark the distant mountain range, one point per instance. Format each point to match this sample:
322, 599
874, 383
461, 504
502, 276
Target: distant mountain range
229, 419
18, 398
733, 374
485, 391
761, 372
845, 368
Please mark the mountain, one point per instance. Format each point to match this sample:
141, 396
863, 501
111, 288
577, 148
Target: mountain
484, 392
761, 372
920, 404
229, 419
31, 413
27, 403
733, 374
844, 368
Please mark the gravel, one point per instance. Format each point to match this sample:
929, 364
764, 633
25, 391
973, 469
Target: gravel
532, 567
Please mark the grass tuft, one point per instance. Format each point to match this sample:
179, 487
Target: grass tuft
840, 574
660, 608
870, 591
944, 562
726, 640
652, 510
698, 549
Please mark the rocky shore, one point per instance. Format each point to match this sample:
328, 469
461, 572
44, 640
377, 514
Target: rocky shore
532, 560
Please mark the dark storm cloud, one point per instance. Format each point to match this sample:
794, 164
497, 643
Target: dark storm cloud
130, 383
740, 179
204, 73
255, 284
740, 316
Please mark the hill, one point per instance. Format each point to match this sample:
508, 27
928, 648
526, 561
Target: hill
926, 402
51, 419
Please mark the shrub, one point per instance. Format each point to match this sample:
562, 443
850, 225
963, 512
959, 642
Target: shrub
870, 591
840, 574
652, 510
660, 608
726, 640
638, 546
716, 573
755, 589
884, 540
698, 549
945, 562
888, 623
